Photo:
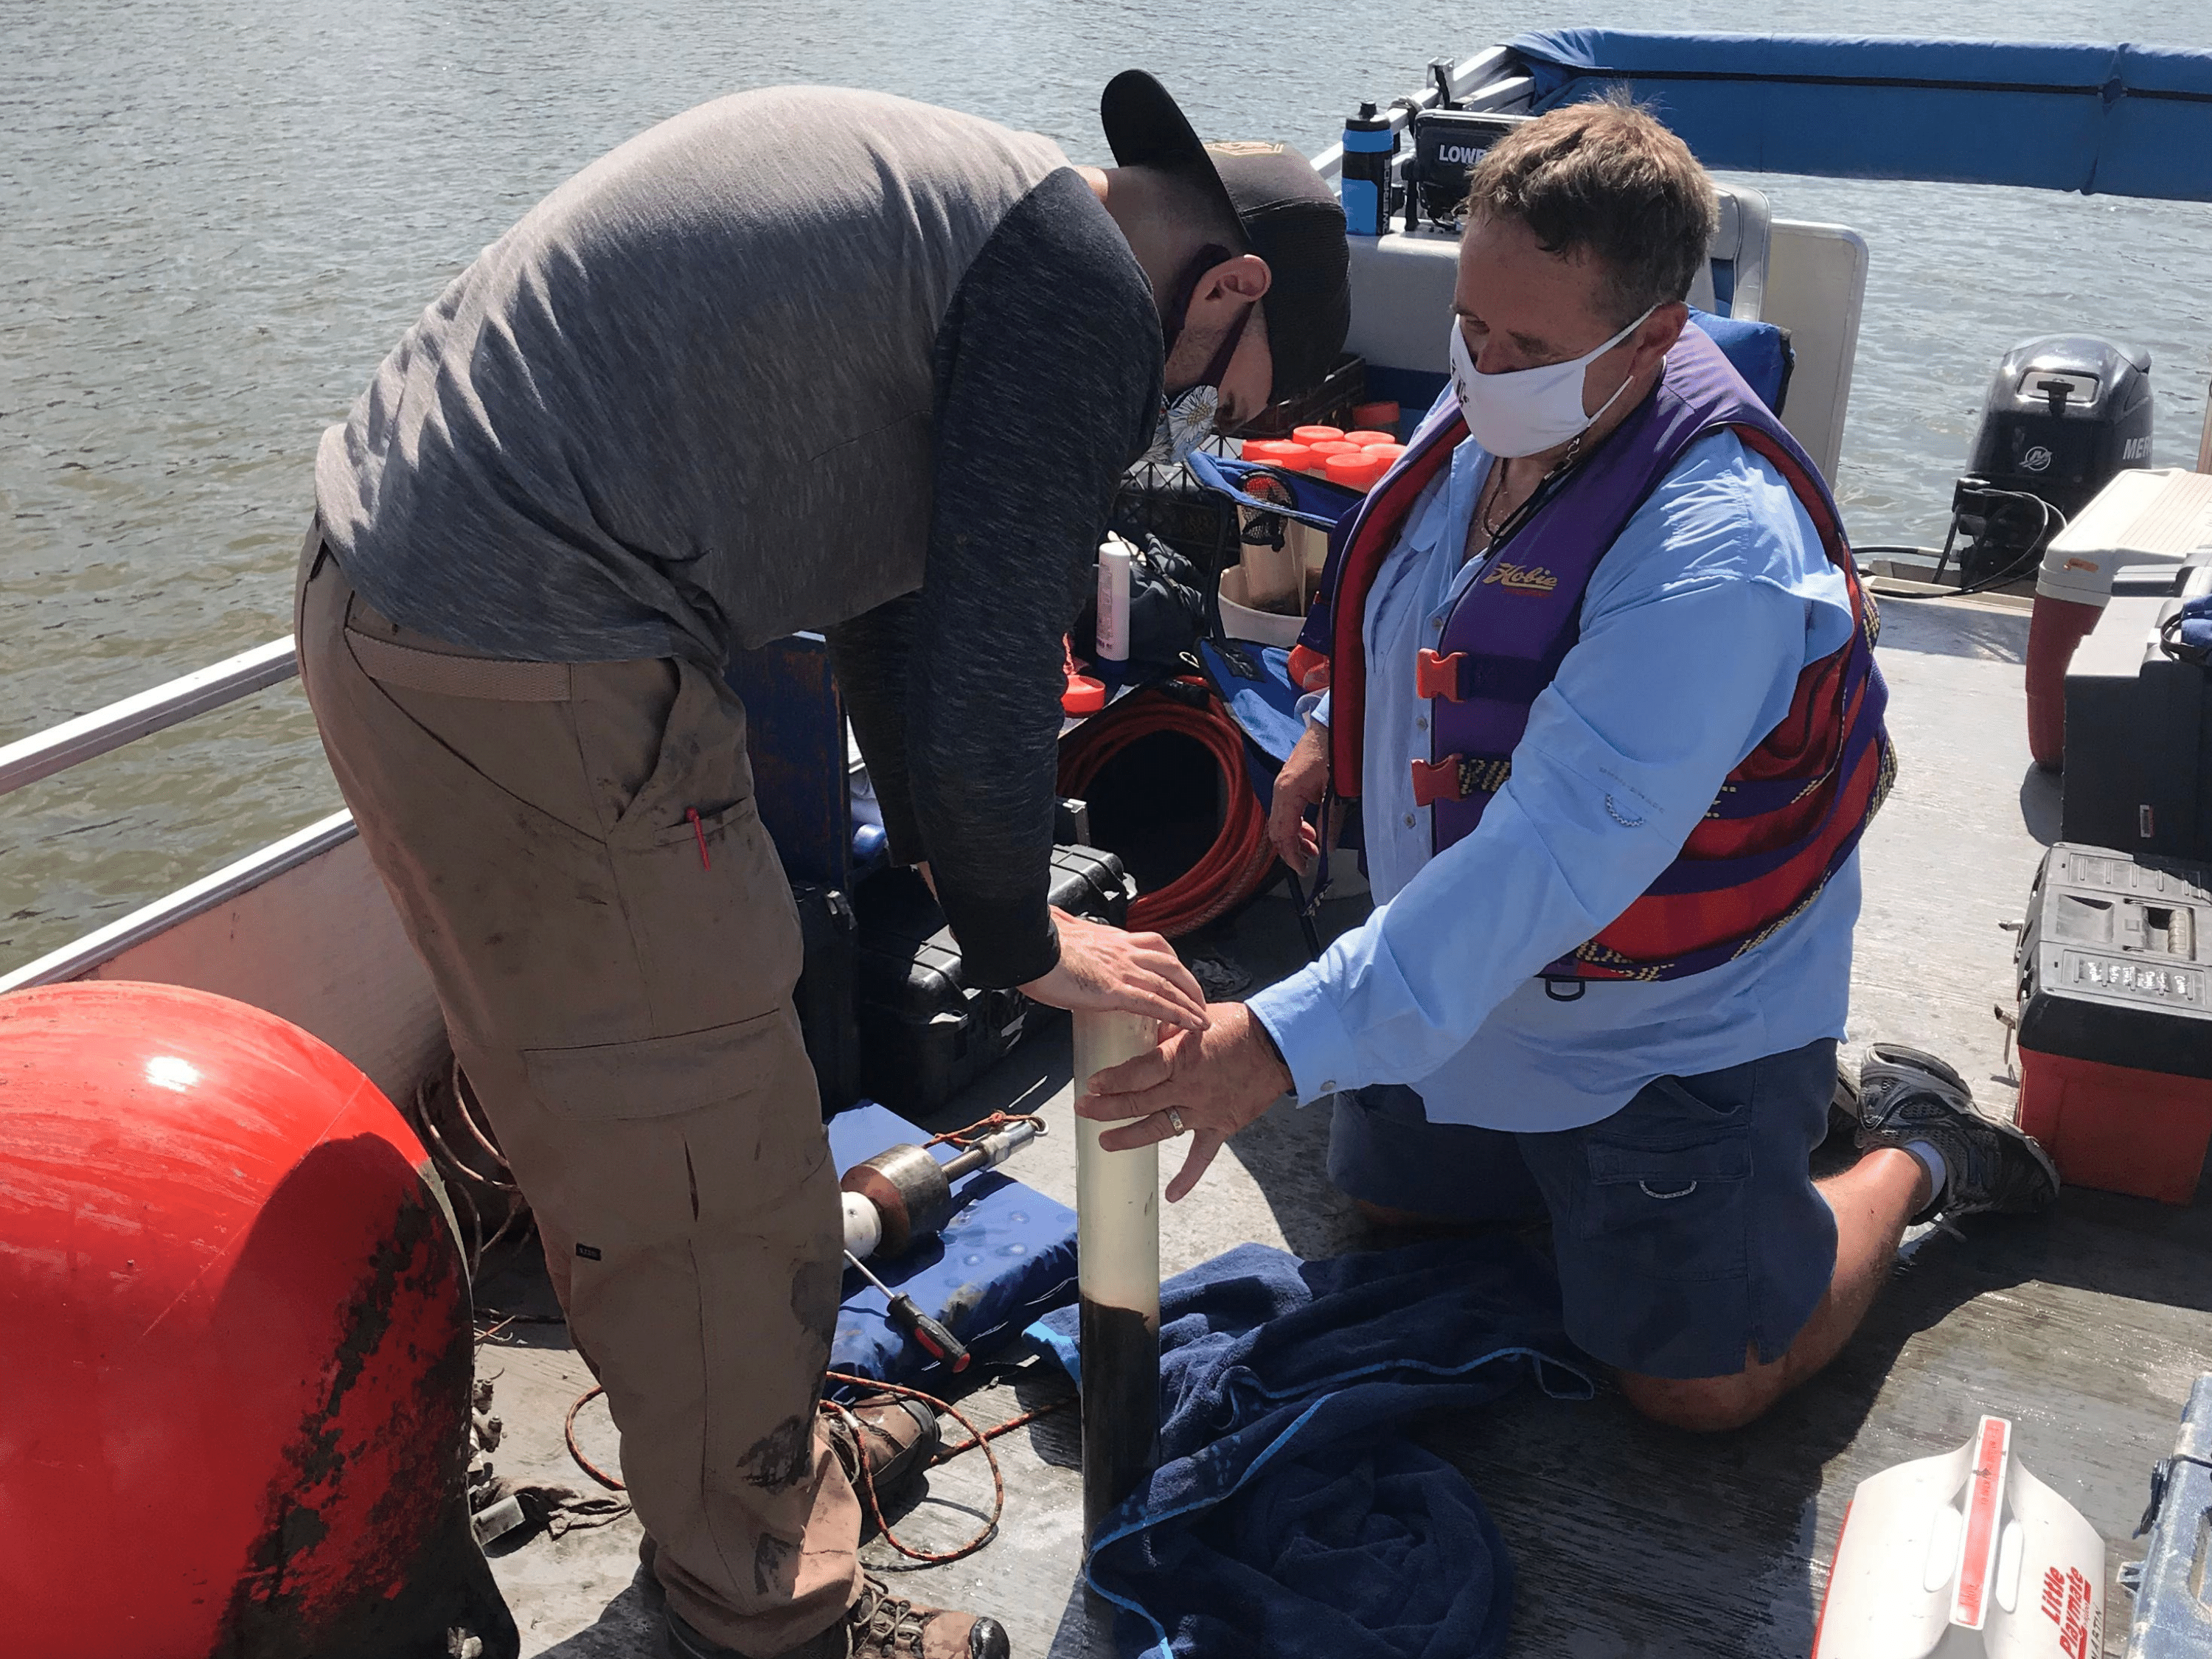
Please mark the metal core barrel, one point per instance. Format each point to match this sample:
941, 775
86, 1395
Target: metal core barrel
910, 1191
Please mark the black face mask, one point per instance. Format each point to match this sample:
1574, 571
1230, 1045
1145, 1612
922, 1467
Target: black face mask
1188, 417
1178, 311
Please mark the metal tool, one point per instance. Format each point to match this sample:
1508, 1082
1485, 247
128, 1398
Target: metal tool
928, 1334
1963, 1554
903, 1195
2173, 1619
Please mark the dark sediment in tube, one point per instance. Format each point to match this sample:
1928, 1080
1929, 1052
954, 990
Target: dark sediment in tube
1121, 1359
1118, 1272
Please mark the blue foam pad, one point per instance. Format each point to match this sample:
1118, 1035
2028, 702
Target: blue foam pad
1006, 1258
1266, 709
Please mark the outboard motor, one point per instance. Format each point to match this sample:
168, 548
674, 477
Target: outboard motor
2063, 415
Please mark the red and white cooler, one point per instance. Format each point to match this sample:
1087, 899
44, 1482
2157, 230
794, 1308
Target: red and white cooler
2154, 516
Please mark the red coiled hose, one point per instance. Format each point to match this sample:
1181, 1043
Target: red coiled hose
1233, 868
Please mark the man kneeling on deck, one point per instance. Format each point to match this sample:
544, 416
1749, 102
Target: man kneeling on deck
1603, 677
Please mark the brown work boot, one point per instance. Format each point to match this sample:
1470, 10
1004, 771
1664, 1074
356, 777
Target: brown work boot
898, 1435
886, 1626
879, 1625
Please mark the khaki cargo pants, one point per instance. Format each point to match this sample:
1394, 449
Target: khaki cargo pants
616, 975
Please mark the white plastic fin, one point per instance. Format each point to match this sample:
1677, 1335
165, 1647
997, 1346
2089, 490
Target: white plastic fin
1966, 1555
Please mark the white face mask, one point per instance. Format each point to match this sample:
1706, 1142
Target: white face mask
1526, 411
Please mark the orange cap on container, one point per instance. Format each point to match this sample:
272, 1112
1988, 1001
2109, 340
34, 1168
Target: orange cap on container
1390, 452
1328, 446
1377, 415
1083, 696
1357, 470
1367, 440
1314, 434
1282, 452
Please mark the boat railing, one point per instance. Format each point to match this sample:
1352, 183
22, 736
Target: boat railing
1479, 83
44, 754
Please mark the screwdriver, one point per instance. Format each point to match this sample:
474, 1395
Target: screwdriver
933, 1337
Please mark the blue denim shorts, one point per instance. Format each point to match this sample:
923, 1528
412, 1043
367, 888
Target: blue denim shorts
1686, 1227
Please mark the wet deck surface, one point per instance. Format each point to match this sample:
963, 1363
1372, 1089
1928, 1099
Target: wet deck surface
2085, 1327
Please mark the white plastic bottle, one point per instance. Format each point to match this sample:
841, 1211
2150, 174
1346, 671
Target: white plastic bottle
1114, 557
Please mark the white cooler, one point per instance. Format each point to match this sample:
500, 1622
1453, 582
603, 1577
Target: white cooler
2153, 516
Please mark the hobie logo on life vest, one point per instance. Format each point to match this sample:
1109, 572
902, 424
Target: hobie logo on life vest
1521, 578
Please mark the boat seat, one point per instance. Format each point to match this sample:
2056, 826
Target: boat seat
1809, 279
1732, 283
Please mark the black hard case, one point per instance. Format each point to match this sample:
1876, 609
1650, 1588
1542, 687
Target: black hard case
2139, 725
924, 1033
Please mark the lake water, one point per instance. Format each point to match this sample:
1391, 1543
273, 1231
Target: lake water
215, 219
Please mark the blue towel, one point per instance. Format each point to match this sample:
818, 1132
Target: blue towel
1292, 1517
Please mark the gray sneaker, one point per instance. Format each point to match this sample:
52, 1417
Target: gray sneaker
1990, 1165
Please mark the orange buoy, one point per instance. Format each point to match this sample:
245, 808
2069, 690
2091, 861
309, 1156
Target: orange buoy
237, 1345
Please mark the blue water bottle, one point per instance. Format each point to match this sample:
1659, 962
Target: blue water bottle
1369, 145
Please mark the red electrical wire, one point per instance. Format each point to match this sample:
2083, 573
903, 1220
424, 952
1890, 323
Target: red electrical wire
976, 1437
1238, 861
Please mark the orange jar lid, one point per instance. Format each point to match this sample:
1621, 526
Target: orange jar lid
1083, 696
1315, 434
1385, 453
1328, 446
1357, 470
1368, 440
1273, 452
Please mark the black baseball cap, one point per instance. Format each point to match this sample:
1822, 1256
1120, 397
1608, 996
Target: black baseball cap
1290, 218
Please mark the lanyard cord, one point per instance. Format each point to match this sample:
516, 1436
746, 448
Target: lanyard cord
1546, 491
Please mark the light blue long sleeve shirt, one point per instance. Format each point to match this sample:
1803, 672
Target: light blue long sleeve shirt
1695, 628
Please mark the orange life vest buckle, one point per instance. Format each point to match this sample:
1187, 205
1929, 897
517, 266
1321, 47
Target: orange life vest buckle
1438, 780
1437, 677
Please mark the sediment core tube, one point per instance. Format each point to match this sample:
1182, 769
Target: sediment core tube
1118, 1273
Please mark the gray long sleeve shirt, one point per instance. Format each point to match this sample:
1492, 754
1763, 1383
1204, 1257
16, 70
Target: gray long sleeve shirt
798, 358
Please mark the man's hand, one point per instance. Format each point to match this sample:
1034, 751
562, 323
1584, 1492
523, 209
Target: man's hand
1298, 789
1104, 968
1216, 1081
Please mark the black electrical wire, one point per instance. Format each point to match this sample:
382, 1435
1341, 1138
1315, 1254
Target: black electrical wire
2169, 641
2013, 572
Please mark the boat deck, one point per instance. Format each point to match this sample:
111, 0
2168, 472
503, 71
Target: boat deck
2086, 1328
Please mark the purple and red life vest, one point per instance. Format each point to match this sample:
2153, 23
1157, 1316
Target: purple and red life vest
1785, 820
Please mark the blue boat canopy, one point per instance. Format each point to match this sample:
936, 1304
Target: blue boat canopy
2119, 121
